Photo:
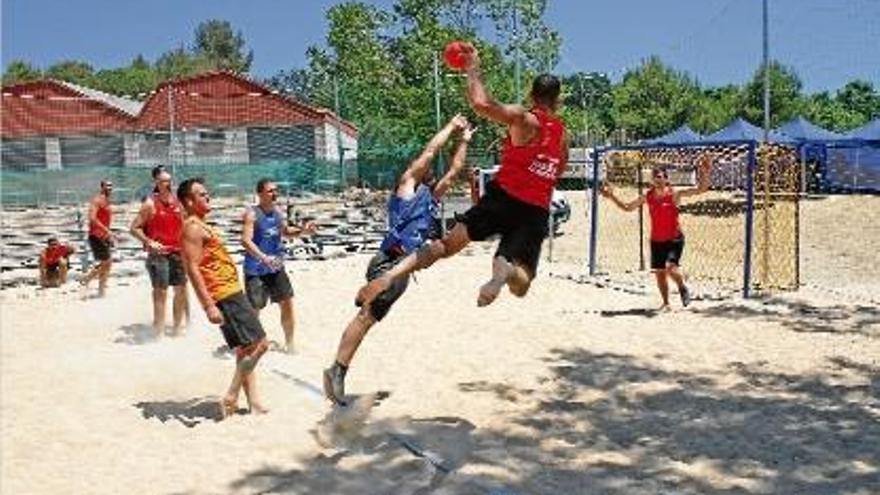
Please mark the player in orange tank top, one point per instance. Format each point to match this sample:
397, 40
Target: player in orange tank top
667, 240
101, 238
516, 205
159, 226
215, 281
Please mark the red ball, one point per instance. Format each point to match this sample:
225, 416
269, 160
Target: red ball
456, 55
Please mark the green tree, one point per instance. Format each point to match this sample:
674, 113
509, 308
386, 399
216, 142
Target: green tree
714, 108
828, 112
860, 97
221, 47
134, 81
652, 99
19, 71
785, 95
179, 62
73, 71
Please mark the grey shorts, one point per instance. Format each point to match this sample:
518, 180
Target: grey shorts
240, 326
261, 288
379, 264
165, 270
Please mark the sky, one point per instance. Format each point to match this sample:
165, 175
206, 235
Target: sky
827, 42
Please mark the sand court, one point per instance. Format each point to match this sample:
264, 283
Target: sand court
573, 388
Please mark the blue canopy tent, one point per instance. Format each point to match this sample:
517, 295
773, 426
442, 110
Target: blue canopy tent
868, 132
740, 130
853, 163
811, 141
802, 130
682, 135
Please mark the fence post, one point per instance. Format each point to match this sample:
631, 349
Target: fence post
594, 212
750, 210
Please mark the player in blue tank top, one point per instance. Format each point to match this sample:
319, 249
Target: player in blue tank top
263, 226
411, 223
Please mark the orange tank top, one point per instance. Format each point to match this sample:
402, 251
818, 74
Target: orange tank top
216, 267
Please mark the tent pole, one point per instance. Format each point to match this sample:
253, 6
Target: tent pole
594, 212
750, 210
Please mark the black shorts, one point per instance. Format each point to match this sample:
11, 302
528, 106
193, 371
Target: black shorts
379, 264
240, 325
275, 286
53, 269
522, 226
100, 248
663, 252
166, 270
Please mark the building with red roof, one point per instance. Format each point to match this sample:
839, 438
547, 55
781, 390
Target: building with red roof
215, 117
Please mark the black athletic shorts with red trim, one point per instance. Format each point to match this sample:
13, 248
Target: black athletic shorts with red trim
522, 226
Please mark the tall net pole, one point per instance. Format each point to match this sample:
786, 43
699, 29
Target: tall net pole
766, 156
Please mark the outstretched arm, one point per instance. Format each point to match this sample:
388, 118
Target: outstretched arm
458, 163
482, 101
703, 185
420, 166
632, 205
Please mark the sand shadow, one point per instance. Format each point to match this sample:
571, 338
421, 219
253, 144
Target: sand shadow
803, 317
189, 413
643, 312
135, 334
619, 425
393, 455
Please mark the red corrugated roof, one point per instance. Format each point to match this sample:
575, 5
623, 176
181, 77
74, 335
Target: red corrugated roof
208, 100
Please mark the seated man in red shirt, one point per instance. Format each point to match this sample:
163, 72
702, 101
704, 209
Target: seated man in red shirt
54, 263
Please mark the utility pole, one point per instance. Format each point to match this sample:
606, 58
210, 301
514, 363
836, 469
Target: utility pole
339, 148
439, 124
516, 54
766, 77
170, 89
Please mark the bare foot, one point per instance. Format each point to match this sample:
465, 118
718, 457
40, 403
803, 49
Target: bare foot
489, 292
367, 293
257, 408
228, 407
664, 308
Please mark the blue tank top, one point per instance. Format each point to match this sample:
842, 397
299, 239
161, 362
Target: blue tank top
267, 237
411, 221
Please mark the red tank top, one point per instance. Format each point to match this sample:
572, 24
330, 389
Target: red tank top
103, 217
166, 224
664, 216
529, 172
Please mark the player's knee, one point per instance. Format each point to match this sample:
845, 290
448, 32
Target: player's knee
429, 253
519, 289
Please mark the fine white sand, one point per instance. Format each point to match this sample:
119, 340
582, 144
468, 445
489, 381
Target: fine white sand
574, 389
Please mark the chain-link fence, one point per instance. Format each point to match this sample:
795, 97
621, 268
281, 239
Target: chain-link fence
740, 235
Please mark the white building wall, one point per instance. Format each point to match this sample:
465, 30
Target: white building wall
53, 153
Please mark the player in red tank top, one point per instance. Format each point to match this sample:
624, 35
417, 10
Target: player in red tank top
159, 225
101, 238
667, 240
516, 204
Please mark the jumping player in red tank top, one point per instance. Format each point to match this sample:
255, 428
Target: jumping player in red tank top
667, 239
159, 226
516, 204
